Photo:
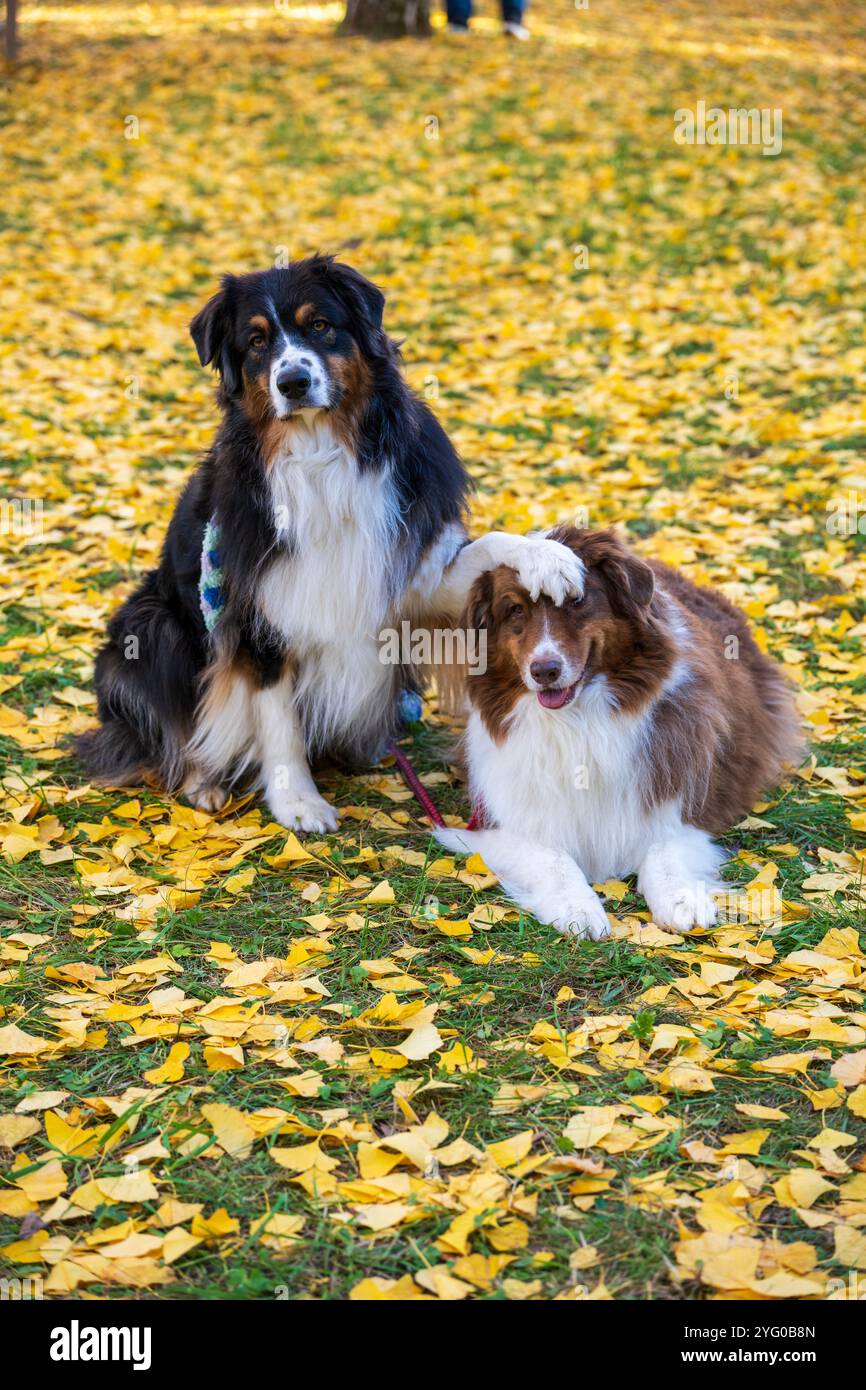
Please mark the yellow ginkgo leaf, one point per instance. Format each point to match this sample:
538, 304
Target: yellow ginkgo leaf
172, 1069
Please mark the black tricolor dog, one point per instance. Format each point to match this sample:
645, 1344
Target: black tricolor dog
338, 501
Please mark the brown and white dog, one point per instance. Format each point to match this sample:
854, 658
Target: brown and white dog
615, 734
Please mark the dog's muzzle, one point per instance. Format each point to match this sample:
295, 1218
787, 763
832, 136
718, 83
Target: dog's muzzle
299, 381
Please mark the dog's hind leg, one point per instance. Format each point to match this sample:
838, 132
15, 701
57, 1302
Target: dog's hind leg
132, 745
146, 680
222, 746
114, 755
204, 794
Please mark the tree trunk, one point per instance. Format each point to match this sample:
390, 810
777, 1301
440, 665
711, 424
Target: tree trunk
387, 19
11, 31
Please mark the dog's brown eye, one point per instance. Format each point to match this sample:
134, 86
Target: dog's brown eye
515, 611
257, 341
320, 325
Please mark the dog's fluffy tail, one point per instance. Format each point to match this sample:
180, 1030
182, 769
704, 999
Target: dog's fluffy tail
546, 882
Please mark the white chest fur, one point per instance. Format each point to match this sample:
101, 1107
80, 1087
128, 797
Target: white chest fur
329, 595
569, 779
333, 587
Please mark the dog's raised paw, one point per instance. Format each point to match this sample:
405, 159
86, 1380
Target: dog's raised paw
547, 567
311, 813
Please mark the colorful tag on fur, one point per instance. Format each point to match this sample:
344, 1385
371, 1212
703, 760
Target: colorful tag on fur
210, 592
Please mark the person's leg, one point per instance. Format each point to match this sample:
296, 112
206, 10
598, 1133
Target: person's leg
512, 19
459, 12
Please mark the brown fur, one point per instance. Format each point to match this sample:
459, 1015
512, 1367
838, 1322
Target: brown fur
255, 399
353, 377
719, 738
272, 438
230, 665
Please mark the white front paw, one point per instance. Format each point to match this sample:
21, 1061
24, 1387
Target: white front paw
689, 905
583, 917
547, 567
307, 812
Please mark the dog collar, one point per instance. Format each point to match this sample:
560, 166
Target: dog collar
210, 592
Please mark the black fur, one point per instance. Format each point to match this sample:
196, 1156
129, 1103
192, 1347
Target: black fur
148, 688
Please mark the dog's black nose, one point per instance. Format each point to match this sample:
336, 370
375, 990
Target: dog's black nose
294, 383
546, 672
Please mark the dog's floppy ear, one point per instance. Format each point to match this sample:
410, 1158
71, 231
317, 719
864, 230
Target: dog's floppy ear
211, 332
628, 580
478, 613
364, 299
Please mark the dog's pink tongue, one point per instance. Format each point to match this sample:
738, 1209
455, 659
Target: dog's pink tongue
555, 699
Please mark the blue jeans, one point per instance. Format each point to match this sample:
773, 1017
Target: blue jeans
459, 11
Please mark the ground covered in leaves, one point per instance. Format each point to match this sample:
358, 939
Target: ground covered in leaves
234, 1065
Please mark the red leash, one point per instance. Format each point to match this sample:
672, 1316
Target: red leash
413, 782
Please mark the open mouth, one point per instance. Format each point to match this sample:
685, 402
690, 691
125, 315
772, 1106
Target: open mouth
557, 699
